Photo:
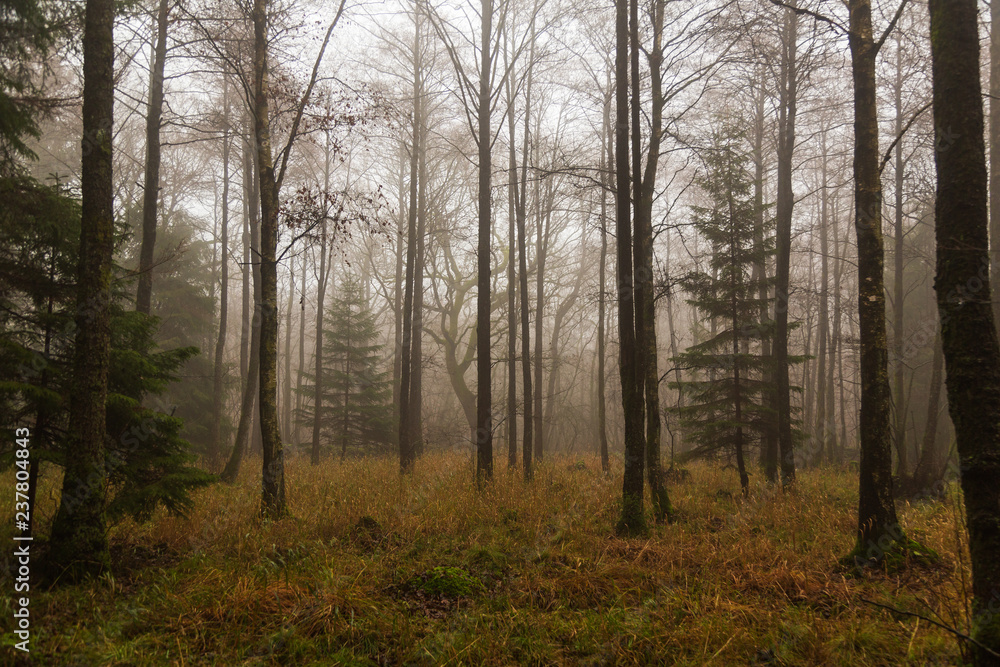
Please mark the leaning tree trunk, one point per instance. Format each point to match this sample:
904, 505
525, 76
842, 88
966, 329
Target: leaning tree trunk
79, 545
151, 183
968, 334
249, 398
273, 473
876, 510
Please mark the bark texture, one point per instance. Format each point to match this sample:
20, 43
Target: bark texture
876, 510
79, 544
968, 335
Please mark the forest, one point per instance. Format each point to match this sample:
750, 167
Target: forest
500, 332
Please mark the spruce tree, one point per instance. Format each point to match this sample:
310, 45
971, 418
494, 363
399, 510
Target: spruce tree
356, 391
147, 460
727, 409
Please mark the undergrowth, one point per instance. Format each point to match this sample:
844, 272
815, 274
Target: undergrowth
371, 568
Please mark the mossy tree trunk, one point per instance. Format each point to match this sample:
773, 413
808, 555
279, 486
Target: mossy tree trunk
968, 334
79, 544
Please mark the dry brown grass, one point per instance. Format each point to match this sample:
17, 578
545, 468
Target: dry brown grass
732, 582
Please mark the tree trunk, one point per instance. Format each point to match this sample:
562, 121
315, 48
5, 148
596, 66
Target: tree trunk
406, 452
273, 473
648, 376
318, 379
876, 510
251, 243
737, 274
218, 376
484, 388
995, 156
602, 410
769, 438
930, 466
250, 219
541, 251
783, 216
968, 333
511, 274
527, 446
417, 336
632, 520
79, 544
286, 403
300, 371
836, 453
151, 184
830, 435
401, 235
824, 318
898, 294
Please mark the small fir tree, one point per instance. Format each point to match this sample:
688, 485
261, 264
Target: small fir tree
726, 411
356, 393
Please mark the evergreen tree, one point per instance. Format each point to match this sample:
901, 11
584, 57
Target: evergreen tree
727, 406
355, 390
26, 34
146, 460
183, 302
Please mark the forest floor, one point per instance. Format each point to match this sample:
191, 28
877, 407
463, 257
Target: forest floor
371, 569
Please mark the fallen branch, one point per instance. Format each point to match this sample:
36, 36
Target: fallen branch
933, 622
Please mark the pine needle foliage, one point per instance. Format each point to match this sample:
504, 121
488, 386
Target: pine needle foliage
356, 391
727, 410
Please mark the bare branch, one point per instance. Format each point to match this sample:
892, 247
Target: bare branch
293, 133
892, 25
808, 12
888, 153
